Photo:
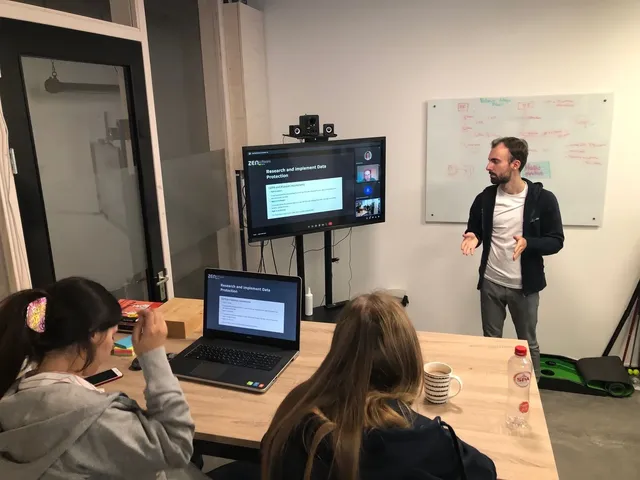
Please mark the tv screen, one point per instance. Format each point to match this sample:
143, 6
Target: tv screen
299, 188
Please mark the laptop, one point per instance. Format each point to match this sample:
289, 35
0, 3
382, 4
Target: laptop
251, 330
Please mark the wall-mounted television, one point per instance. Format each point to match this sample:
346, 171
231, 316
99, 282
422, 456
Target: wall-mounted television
299, 188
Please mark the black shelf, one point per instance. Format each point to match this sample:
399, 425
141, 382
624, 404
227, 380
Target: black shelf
312, 138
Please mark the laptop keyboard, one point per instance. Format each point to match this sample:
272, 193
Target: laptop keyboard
232, 356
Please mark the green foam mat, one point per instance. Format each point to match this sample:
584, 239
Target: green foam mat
601, 376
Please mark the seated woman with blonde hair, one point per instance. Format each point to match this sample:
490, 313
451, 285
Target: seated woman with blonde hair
353, 419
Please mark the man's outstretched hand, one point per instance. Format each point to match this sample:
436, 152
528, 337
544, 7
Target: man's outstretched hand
521, 244
469, 243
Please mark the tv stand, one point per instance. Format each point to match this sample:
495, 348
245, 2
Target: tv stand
299, 240
329, 311
328, 272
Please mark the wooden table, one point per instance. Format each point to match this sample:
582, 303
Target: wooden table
241, 418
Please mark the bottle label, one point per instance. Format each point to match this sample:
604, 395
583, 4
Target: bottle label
524, 407
522, 379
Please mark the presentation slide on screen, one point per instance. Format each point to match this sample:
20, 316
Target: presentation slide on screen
304, 198
300, 188
252, 314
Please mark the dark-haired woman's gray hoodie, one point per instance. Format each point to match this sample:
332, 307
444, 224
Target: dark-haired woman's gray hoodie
57, 426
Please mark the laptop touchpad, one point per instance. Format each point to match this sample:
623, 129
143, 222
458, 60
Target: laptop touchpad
211, 371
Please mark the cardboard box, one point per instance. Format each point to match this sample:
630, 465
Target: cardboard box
183, 316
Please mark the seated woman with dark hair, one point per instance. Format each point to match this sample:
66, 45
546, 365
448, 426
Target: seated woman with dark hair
53, 423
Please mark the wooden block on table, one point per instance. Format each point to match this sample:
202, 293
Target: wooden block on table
183, 316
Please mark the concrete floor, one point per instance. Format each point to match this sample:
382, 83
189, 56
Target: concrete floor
594, 437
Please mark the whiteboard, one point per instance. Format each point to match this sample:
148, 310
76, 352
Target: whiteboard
568, 136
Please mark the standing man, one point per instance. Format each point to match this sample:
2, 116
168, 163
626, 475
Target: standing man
519, 222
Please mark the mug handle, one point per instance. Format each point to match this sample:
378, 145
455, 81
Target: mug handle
457, 379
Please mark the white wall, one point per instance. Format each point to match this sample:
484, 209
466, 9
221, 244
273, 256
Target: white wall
370, 66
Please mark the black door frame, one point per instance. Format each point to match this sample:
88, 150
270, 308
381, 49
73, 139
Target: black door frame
20, 38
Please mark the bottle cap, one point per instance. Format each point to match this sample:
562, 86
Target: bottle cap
308, 290
521, 351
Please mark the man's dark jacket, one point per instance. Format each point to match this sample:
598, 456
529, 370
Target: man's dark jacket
542, 229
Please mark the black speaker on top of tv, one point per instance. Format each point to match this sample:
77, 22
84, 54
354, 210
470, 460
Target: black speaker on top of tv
328, 129
295, 130
310, 124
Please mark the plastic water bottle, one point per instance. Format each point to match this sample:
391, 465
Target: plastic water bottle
520, 375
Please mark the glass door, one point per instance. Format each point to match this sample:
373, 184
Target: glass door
76, 109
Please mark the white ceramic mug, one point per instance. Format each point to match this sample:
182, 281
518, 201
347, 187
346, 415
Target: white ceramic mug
437, 382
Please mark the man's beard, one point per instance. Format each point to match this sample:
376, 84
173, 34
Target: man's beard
500, 180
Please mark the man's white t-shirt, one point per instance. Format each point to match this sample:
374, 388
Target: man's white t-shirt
507, 223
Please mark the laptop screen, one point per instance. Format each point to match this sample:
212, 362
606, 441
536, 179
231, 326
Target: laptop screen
252, 304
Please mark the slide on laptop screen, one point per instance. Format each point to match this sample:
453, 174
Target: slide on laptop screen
251, 306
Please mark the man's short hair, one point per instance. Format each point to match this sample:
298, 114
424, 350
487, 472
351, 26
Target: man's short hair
518, 149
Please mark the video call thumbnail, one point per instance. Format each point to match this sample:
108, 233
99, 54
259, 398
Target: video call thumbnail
367, 173
368, 207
